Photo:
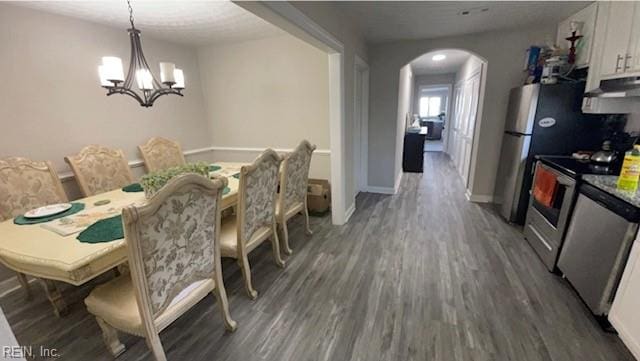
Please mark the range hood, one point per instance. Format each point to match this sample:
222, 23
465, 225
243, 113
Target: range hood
618, 88
615, 96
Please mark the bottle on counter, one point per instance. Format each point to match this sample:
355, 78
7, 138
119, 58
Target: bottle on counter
630, 172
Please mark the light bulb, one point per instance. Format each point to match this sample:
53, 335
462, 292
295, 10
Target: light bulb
166, 73
104, 82
178, 75
113, 68
144, 79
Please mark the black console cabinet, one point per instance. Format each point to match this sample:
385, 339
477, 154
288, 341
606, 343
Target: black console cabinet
413, 153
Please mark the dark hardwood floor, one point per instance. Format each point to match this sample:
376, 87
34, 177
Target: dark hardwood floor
421, 275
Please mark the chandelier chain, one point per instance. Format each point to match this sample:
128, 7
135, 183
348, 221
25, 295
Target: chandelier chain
130, 14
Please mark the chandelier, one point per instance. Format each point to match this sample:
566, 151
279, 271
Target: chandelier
112, 74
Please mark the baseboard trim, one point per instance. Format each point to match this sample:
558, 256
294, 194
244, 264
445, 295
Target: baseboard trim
478, 198
396, 185
350, 211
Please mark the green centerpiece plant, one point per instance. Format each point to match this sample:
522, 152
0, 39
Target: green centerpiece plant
152, 182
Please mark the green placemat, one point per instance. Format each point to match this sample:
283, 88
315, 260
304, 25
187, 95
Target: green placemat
213, 168
104, 230
236, 176
134, 187
226, 190
75, 208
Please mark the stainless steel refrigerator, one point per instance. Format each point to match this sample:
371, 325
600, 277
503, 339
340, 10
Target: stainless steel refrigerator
541, 120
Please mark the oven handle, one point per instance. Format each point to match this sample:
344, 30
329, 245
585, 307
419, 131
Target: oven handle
560, 177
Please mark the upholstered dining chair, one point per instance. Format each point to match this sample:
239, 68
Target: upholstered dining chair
292, 198
161, 153
100, 169
255, 220
24, 185
173, 246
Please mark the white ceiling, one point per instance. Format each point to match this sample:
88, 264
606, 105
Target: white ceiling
194, 22
426, 65
390, 20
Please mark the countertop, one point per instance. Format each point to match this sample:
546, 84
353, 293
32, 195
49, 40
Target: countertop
608, 183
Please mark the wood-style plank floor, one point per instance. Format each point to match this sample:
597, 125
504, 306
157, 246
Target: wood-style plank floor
421, 275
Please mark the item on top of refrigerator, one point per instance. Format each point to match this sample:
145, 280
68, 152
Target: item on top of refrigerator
554, 67
630, 172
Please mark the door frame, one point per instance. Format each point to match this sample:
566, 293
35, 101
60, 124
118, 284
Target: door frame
361, 125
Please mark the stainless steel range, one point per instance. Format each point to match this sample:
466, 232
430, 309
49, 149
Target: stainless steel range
546, 220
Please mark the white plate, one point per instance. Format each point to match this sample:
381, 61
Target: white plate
49, 210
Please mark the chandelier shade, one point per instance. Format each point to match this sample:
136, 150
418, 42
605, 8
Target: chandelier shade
139, 74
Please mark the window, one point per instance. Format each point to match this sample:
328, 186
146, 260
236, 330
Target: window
430, 106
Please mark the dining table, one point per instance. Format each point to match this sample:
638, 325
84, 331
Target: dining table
46, 250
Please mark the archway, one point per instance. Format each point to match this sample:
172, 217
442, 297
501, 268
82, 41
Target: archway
442, 90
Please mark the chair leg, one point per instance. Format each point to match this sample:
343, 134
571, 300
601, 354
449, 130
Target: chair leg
221, 295
22, 278
285, 238
307, 230
275, 245
243, 262
110, 337
154, 344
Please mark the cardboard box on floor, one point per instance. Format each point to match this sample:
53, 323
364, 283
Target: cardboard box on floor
318, 196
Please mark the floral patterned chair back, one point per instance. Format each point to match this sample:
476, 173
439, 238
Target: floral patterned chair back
257, 194
100, 169
295, 175
26, 184
173, 239
161, 153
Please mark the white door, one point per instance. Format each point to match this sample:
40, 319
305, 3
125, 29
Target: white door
473, 85
462, 126
357, 130
360, 128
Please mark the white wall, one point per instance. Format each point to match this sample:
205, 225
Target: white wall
270, 92
334, 22
405, 99
469, 68
52, 105
504, 51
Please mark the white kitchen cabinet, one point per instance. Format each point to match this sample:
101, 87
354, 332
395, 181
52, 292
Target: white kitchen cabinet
633, 64
617, 39
625, 311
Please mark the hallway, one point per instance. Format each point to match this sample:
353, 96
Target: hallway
422, 275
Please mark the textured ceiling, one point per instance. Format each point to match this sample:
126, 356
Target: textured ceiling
194, 22
426, 65
391, 20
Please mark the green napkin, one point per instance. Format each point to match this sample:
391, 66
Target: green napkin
213, 168
104, 230
226, 190
75, 208
134, 187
